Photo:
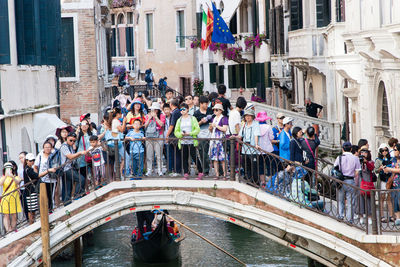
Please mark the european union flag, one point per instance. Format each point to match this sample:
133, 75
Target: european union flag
221, 33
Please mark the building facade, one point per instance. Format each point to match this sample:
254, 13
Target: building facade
29, 52
251, 70
345, 56
155, 34
84, 68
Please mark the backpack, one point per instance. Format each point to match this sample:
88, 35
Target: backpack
54, 161
147, 78
151, 130
161, 84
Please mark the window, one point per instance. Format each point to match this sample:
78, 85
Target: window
221, 6
296, 14
340, 10
149, 31
213, 72
244, 19
385, 109
323, 12
112, 19
4, 33
130, 18
180, 19
37, 30
67, 60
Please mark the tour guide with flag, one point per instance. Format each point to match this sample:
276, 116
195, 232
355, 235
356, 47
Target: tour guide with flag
221, 32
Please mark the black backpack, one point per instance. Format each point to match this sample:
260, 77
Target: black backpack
147, 78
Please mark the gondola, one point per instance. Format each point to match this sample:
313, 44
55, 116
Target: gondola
159, 246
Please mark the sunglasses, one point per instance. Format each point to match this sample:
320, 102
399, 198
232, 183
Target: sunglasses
73, 141
31, 160
183, 109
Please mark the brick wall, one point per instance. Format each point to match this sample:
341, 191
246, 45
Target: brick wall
80, 97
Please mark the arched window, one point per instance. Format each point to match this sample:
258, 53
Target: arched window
120, 19
384, 103
221, 6
311, 92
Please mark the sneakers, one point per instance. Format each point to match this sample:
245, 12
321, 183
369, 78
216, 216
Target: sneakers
160, 173
148, 173
200, 176
185, 176
397, 222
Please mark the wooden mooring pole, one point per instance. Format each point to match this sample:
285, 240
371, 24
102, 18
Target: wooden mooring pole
44, 223
78, 252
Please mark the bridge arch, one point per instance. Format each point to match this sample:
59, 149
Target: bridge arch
229, 201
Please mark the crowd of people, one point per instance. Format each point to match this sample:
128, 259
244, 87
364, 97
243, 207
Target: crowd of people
182, 135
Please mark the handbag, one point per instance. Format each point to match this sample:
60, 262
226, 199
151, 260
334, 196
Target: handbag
337, 171
312, 153
368, 186
88, 158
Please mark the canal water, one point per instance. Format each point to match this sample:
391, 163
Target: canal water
110, 245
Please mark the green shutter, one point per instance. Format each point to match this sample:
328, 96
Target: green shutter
230, 76
221, 74
241, 74
213, 72
67, 59
4, 33
25, 11
199, 21
296, 14
267, 72
50, 21
129, 41
323, 12
113, 43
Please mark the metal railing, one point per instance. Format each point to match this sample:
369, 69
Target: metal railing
209, 158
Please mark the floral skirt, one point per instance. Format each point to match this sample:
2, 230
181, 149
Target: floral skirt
217, 150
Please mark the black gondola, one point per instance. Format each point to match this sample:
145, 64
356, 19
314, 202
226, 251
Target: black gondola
159, 246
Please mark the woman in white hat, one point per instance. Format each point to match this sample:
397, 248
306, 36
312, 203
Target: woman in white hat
154, 128
218, 128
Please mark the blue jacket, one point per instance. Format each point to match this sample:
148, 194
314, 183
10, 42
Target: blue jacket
296, 151
284, 145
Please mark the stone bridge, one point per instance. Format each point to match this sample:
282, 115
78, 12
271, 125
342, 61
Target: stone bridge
319, 237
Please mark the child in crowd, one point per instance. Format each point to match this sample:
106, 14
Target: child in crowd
98, 162
136, 148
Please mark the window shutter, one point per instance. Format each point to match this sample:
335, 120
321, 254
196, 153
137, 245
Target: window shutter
267, 18
240, 73
260, 79
233, 24
280, 31
248, 75
113, 43
199, 20
50, 21
230, 76
67, 58
213, 72
4, 33
323, 12
109, 60
221, 79
129, 41
272, 29
340, 10
296, 14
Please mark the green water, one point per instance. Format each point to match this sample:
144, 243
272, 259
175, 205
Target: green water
110, 245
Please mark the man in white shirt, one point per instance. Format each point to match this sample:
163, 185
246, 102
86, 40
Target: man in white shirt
235, 119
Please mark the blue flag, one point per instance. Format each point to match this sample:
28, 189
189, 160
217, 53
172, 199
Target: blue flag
221, 32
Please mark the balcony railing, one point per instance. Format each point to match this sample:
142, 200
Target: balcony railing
306, 43
128, 62
329, 132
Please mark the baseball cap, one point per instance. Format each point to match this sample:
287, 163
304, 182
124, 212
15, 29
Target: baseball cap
30, 156
280, 115
287, 120
346, 144
84, 116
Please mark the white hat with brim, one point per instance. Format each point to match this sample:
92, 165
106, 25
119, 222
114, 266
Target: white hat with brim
287, 120
155, 105
218, 106
30, 156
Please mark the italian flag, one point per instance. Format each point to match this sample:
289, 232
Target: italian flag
204, 31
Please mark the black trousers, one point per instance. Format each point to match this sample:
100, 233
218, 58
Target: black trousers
186, 151
144, 216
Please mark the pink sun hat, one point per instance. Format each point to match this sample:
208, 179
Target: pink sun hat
262, 116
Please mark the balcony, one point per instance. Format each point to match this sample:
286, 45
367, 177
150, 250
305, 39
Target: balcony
128, 62
306, 43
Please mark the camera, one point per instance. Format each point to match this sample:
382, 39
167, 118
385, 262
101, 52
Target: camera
361, 158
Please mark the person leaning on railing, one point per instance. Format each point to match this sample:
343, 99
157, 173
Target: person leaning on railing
394, 182
10, 202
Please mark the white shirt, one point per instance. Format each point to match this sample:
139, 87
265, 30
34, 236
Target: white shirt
234, 119
114, 125
42, 163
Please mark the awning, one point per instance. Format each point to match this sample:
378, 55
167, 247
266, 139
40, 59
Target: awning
45, 124
230, 9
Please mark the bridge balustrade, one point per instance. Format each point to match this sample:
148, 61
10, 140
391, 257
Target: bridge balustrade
232, 160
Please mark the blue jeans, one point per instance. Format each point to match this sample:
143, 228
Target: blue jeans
137, 164
348, 192
174, 158
69, 178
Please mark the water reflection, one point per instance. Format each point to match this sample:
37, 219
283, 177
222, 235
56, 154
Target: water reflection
110, 245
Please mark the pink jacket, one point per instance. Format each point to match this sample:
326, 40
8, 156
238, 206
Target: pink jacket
264, 141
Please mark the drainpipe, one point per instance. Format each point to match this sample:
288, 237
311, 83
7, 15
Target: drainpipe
3, 130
